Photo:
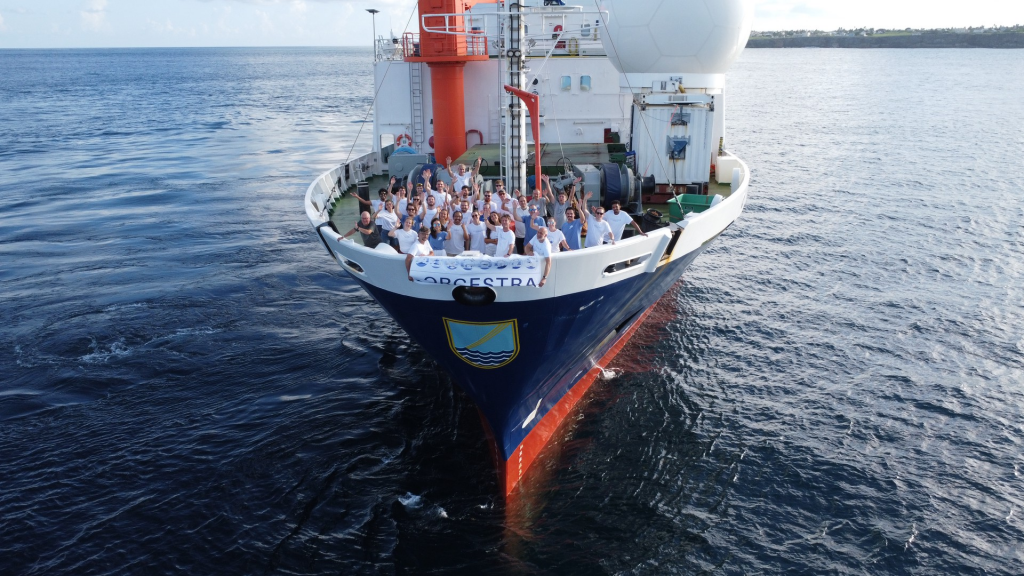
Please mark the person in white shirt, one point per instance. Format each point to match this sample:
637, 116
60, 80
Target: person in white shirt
618, 220
540, 246
429, 210
405, 235
505, 203
521, 214
493, 224
598, 231
464, 178
486, 201
441, 197
477, 231
387, 219
401, 201
506, 238
373, 204
555, 236
458, 236
420, 248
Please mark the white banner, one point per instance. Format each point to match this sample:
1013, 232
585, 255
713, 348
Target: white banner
478, 271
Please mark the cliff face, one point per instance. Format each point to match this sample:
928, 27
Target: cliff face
999, 40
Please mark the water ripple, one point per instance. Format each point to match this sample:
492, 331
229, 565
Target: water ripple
833, 388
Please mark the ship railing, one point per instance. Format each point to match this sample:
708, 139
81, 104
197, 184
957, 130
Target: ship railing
577, 40
410, 44
572, 272
389, 49
324, 192
475, 39
565, 45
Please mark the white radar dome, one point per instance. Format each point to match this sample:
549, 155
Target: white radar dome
676, 36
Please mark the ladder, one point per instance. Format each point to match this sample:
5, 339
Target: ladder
416, 85
516, 119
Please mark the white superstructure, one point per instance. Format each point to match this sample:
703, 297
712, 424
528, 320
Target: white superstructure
612, 69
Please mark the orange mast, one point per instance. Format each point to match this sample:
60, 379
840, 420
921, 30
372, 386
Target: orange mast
447, 54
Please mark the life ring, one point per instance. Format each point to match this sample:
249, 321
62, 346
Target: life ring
403, 140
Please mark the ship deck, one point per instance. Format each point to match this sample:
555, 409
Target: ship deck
347, 209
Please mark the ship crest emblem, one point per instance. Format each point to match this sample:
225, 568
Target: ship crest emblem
484, 345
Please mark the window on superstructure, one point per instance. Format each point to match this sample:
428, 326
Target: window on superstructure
585, 83
566, 83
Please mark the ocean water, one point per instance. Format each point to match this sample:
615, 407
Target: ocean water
188, 384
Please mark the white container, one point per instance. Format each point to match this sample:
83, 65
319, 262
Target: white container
724, 168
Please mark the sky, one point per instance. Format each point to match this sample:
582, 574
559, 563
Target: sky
149, 23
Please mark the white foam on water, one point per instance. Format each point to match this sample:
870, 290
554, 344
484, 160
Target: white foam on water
199, 331
410, 500
116, 350
116, 307
913, 535
296, 397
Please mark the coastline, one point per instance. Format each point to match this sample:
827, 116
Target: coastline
1003, 40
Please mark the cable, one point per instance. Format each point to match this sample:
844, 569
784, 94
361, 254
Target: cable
376, 92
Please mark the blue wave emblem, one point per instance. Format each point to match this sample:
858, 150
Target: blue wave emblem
484, 345
488, 359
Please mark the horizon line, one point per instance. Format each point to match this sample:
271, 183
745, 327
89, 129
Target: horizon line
367, 46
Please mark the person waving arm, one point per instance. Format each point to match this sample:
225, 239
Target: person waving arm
448, 167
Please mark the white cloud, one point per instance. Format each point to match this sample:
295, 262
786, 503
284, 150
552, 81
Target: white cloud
94, 16
3, 27
266, 23
168, 27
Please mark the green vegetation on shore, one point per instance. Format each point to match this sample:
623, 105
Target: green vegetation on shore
995, 37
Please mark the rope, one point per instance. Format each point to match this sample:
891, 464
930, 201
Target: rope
369, 110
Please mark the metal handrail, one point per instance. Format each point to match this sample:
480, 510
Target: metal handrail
320, 233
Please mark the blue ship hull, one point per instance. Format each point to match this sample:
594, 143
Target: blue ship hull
559, 342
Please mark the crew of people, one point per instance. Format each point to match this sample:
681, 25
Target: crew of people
417, 220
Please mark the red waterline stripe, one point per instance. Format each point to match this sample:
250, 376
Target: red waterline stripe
531, 446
